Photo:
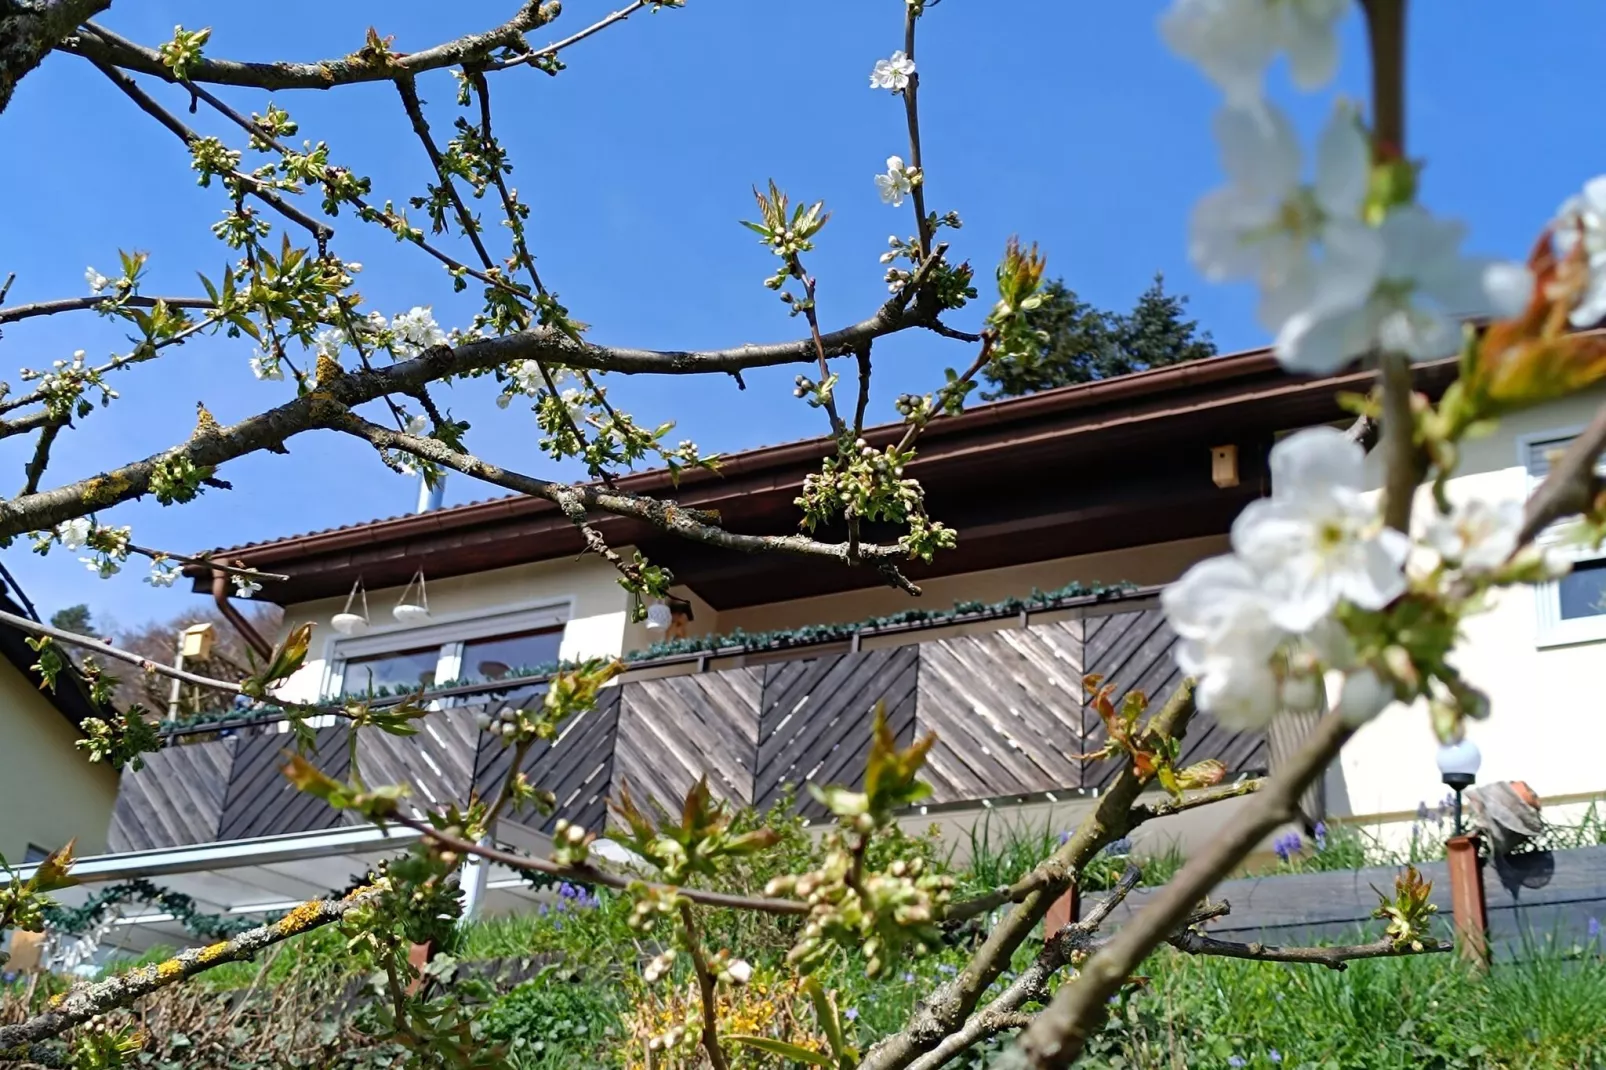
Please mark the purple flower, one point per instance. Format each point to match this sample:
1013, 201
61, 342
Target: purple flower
943, 967
1321, 835
851, 1014
1275, 1056
1593, 928
1288, 846
1064, 838
1237, 1061
908, 977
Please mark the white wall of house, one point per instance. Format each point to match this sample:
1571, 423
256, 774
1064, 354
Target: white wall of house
583, 594
1143, 565
54, 792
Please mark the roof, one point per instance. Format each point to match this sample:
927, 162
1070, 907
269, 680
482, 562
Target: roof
1080, 457
70, 696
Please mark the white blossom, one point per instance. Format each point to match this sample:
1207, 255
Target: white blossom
104, 564
97, 281
1364, 695
1316, 541
1233, 41
266, 367
892, 73
1478, 535
244, 586
354, 267
417, 425
162, 574
1582, 218
416, 330
75, 532
896, 184
740, 970
1228, 640
329, 342
1424, 288
1266, 223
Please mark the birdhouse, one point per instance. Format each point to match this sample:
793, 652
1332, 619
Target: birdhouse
1224, 466
195, 642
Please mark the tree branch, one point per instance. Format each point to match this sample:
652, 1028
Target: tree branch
1168, 807
950, 1005
573, 39
705, 987
1334, 958
1058, 1035
1571, 486
85, 1001
589, 875
76, 304
322, 74
31, 29
23, 624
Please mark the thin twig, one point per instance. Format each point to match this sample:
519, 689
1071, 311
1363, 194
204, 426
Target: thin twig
911, 110
116, 653
207, 562
705, 986
590, 875
1168, 807
1334, 958
78, 304
574, 39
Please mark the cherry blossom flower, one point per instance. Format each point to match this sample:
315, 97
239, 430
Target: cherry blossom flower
1316, 541
75, 532
897, 182
417, 425
97, 281
244, 586
740, 970
1424, 288
417, 330
1478, 536
105, 565
1233, 41
266, 367
1228, 639
1582, 218
892, 73
1265, 223
162, 574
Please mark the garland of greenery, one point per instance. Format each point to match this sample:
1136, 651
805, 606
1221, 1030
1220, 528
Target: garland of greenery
737, 641
76, 920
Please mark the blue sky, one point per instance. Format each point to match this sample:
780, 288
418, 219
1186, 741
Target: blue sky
1065, 122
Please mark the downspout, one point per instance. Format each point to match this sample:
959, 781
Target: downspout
220, 595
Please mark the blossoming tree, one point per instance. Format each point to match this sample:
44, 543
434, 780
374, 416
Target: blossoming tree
1328, 588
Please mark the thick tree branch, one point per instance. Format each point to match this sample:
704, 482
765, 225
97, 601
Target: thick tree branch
665, 515
31, 29
85, 1001
1571, 486
1058, 1035
76, 304
322, 74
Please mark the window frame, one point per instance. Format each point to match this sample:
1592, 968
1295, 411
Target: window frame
448, 634
1551, 628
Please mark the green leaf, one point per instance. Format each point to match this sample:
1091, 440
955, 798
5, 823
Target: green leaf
825, 1011
780, 1047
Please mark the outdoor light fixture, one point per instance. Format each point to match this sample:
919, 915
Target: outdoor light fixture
409, 612
659, 616
1458, 765
348, 623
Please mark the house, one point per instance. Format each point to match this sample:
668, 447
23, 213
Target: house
1118, 486
54, 793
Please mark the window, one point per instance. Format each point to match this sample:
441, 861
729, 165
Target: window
1573, 608
403, 669
479, 649
34, 854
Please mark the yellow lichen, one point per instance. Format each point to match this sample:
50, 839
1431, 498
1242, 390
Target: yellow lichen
209, 955
205, 422
302, 917
328, 369
170, 970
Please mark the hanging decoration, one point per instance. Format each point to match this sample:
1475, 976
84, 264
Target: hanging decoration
410, 612
659, 616
348, 623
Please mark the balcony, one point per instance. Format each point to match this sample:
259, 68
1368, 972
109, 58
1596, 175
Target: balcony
1003, 693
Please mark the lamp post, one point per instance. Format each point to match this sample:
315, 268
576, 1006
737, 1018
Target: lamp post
1458, 765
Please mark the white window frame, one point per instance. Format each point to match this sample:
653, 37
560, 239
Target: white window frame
449, 634
1552, 629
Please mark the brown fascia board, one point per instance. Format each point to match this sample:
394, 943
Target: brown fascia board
1088, 410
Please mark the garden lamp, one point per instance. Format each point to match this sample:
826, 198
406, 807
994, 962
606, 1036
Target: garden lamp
1458, 765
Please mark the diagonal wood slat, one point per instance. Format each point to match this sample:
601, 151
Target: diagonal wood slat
676, 730
176, 799
1007, 710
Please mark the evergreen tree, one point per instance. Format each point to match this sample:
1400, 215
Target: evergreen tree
75, 619
1081, 343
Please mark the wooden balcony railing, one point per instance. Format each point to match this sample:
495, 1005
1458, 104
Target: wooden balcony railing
1007, 706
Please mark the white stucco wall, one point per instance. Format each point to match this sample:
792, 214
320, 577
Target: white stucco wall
595, 628
53, 792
